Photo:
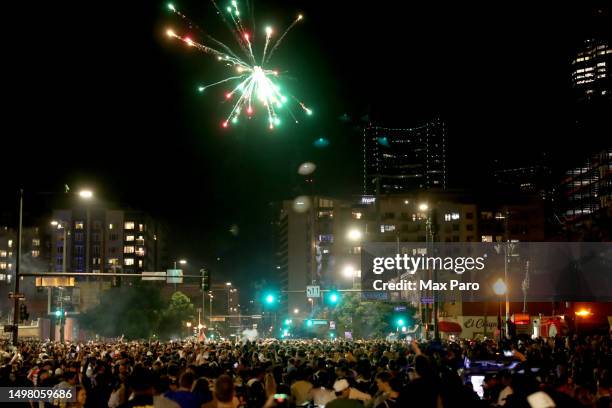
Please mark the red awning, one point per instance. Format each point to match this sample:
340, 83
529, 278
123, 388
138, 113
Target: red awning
449, 327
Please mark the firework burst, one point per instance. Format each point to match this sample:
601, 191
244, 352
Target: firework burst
252, 82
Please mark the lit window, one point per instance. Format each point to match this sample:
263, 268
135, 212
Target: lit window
140, 263
357, 215
35, 253
110, 226
128, 261
78, 225
455, 216
113, 261
2, 265
129, 237
128, 250
10, 243
129, 225
487, 238
355, 250
387, 228
35, 242
141, 227
2, 254
140, 252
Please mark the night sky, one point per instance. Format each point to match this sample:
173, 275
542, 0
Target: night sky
98, 96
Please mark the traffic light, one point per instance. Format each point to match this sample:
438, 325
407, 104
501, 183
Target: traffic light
309, 323
270, 298
332, 335
288, 322
333, 297
205, 279
58, 313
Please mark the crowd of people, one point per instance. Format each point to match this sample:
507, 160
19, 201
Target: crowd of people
541, 373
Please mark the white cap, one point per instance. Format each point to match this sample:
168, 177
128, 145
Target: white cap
341, 385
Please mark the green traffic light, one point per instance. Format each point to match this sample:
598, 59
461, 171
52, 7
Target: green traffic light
270, 299
400, 322
58, 313
333, 297
309, 323
288, 322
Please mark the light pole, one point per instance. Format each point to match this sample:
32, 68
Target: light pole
181, 262
429, 238
64, 227
229, 286
500, 289
85, 194
210, 311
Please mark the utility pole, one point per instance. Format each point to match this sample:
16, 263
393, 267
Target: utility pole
17, 270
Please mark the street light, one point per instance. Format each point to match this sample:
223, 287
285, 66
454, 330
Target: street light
500, 288
228, 283
188, 324
348, 271
181, 262
423, 207
86, 194
354, 234
296, 311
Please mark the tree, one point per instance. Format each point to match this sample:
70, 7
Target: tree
179, 311
366, 319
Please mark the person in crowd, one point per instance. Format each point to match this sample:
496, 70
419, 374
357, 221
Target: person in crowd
343, 390
183, 395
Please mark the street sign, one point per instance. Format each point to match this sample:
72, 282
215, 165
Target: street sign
399, 308
174, 276
153, 276
313, 291
16, 295
54, 281
317, 322
332, 325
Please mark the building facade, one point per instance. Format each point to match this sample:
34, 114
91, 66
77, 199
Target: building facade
403, 160
99, 240
587, 189
590, 73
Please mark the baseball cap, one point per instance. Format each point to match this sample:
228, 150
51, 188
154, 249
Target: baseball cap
341, 385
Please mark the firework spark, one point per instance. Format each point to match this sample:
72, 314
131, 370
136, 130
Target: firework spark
254, 83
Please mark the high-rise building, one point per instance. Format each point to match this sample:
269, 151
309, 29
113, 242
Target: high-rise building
588, 188
591, 70
102, 240
403, 160
313, 246
33, 253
